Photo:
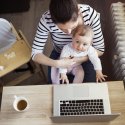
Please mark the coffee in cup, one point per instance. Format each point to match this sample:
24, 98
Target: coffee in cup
20, 103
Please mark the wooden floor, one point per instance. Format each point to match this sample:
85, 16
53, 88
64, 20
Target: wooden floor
27, 23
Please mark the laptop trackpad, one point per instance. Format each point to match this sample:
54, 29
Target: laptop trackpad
81, 91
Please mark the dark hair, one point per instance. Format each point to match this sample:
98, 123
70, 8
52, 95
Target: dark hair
63, 11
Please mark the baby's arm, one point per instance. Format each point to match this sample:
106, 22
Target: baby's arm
93, 56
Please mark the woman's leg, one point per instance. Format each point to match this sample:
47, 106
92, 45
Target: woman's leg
90, 74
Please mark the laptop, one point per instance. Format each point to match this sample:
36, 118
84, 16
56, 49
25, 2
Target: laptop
88, 102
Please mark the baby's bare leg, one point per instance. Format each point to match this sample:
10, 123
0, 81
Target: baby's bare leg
78, 73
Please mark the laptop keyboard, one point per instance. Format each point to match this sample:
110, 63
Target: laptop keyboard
81, 107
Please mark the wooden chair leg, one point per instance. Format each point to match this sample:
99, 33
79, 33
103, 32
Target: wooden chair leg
1, 85
32, 66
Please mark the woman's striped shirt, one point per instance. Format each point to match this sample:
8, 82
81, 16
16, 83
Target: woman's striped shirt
59, 38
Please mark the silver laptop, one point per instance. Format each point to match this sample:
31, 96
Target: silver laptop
86, 102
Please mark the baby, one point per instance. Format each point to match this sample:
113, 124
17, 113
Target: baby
79, 47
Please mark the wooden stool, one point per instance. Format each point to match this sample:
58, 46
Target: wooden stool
15, 57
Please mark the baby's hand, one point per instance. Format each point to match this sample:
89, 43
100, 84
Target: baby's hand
64, 78
99, 76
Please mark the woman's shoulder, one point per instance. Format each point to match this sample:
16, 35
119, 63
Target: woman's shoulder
46, 18
84, 6
86, 9
46, 15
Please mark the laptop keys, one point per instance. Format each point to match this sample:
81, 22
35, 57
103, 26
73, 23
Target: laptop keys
81, 107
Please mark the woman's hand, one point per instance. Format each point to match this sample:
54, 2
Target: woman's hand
99, 76
65, 63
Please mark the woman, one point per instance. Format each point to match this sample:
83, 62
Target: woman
62, 17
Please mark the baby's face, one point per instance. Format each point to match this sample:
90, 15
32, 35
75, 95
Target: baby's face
81, 43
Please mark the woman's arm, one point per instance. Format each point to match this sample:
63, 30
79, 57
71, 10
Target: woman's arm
62, 63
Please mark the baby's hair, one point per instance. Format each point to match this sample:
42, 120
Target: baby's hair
83, 30
80, 29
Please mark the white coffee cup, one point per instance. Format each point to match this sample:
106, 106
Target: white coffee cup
20, 103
